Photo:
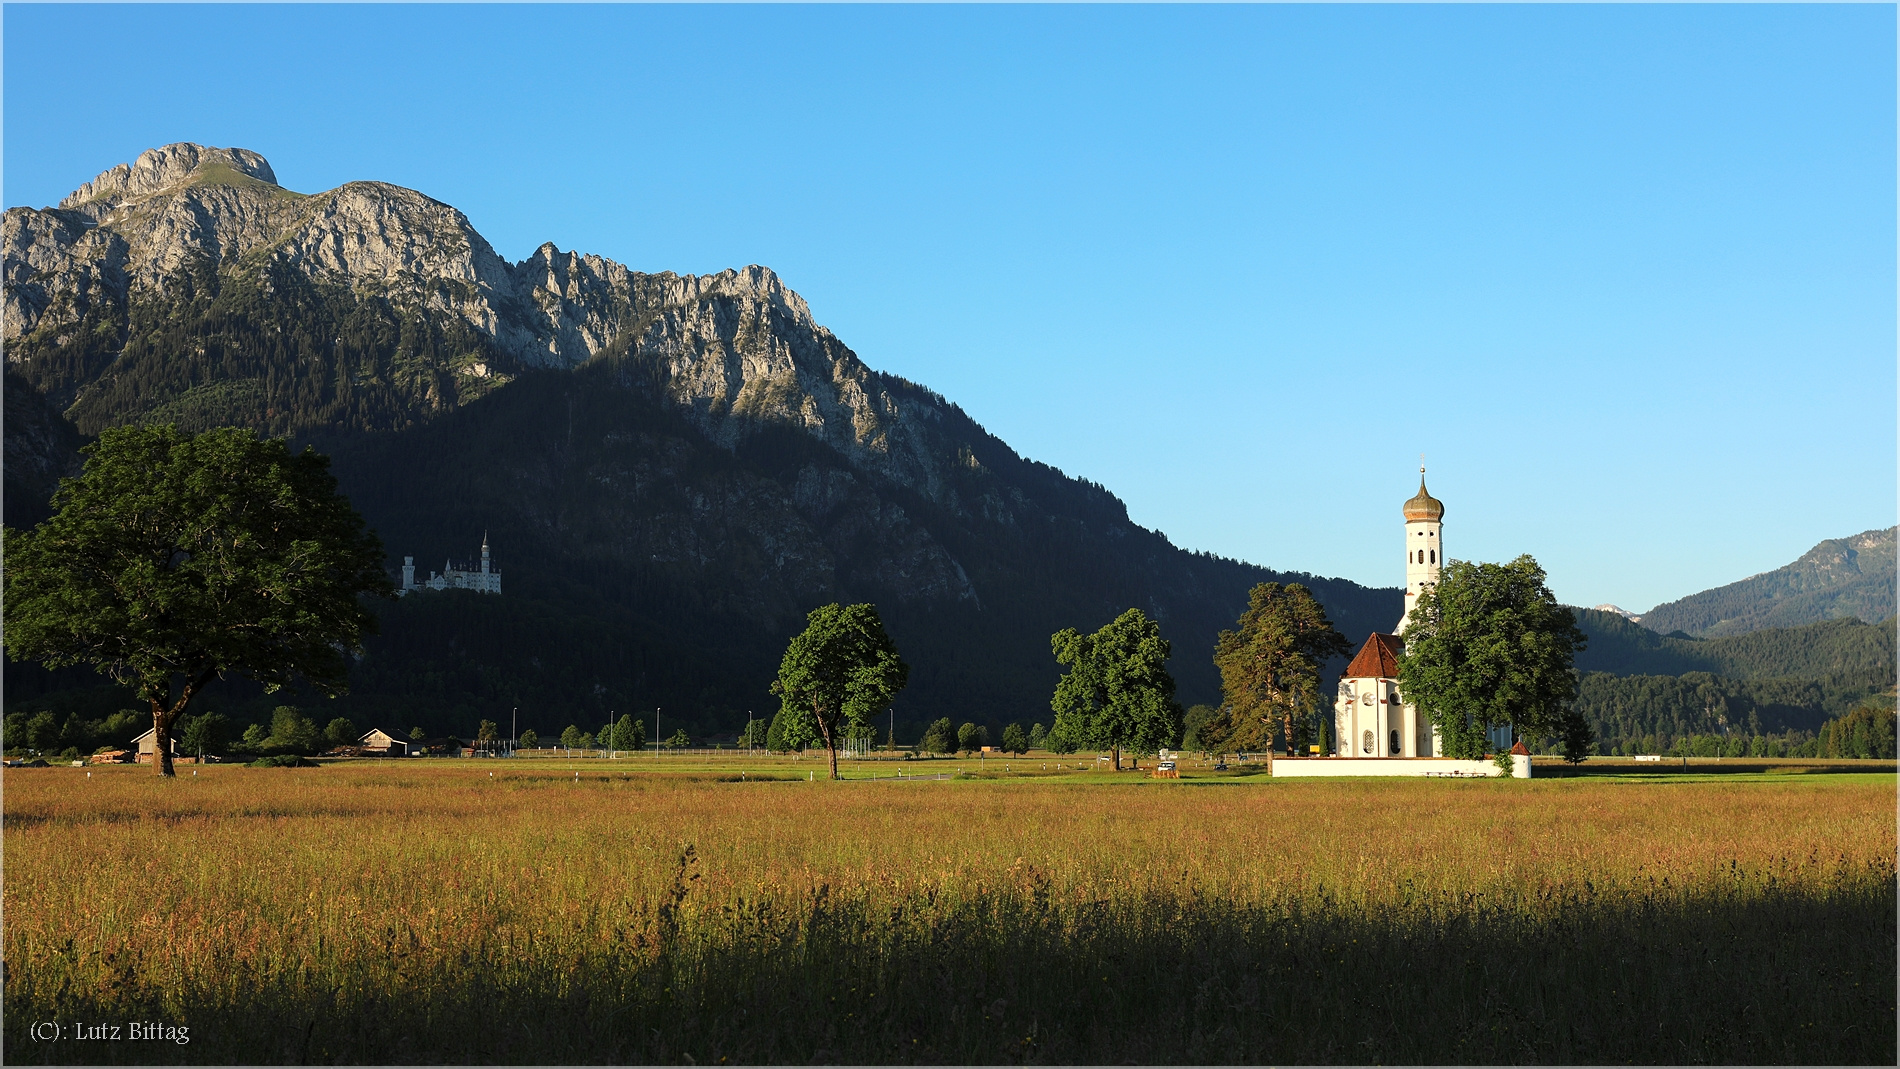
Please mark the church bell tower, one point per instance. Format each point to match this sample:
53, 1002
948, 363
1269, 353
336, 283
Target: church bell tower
1424, 545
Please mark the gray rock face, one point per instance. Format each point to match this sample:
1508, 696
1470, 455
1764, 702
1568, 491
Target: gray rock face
736, 349
732, 352
157, 170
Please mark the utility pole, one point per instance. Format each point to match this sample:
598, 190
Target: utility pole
656, 733
514, 725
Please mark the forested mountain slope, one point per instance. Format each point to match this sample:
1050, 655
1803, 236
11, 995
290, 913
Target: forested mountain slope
1832, 647
1838, 579
1639, 685
672, 469
41, 449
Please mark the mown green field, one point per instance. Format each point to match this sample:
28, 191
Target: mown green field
669, 910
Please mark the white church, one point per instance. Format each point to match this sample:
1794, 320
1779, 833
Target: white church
483, 579
1372, 722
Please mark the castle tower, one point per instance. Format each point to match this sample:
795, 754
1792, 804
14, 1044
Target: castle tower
408, 574
484, 552
1424, 545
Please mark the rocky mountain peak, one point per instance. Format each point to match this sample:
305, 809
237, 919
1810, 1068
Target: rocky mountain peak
159, 169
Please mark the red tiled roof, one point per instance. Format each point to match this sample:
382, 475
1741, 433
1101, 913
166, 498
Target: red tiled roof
1377, 659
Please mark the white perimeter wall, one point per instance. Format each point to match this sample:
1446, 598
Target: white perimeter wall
1385, 766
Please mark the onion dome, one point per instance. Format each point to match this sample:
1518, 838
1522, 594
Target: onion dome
1424, 506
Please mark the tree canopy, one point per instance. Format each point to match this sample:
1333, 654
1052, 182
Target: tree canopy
836, 676
1117, 693
1488, 645
1270, 668
940, 737
172, 560
627, 733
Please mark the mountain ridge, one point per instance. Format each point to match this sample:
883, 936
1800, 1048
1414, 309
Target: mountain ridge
674, 467
1838, 578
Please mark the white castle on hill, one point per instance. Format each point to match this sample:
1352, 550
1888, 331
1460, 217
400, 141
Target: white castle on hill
1370, 718
484, 580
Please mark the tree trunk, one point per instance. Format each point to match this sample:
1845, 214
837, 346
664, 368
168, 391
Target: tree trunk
1118, 757
163, 718
831, 745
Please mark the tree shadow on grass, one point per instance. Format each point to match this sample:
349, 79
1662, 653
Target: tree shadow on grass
1759, 974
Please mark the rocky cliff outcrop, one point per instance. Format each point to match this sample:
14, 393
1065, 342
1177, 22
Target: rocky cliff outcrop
738, 349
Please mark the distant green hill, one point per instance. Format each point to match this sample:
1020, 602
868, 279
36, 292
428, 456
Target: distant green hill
1815, 651
1838, 579
1639, 687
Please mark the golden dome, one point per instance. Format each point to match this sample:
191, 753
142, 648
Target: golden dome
1424, 506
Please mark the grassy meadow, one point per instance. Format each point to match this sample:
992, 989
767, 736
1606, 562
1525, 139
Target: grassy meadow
512, 911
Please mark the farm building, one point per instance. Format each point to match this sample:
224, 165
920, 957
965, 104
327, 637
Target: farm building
146, 750
380, 743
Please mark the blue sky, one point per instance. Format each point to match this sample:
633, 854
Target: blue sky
1625, 274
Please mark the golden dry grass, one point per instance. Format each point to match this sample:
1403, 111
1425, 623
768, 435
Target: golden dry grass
417, 912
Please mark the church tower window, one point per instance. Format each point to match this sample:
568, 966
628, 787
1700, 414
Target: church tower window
1395, 742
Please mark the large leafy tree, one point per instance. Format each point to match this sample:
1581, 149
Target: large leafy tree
173, 560
1117, 692
940, 737
1488, 645
206, 733
837, 675
1270, 667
